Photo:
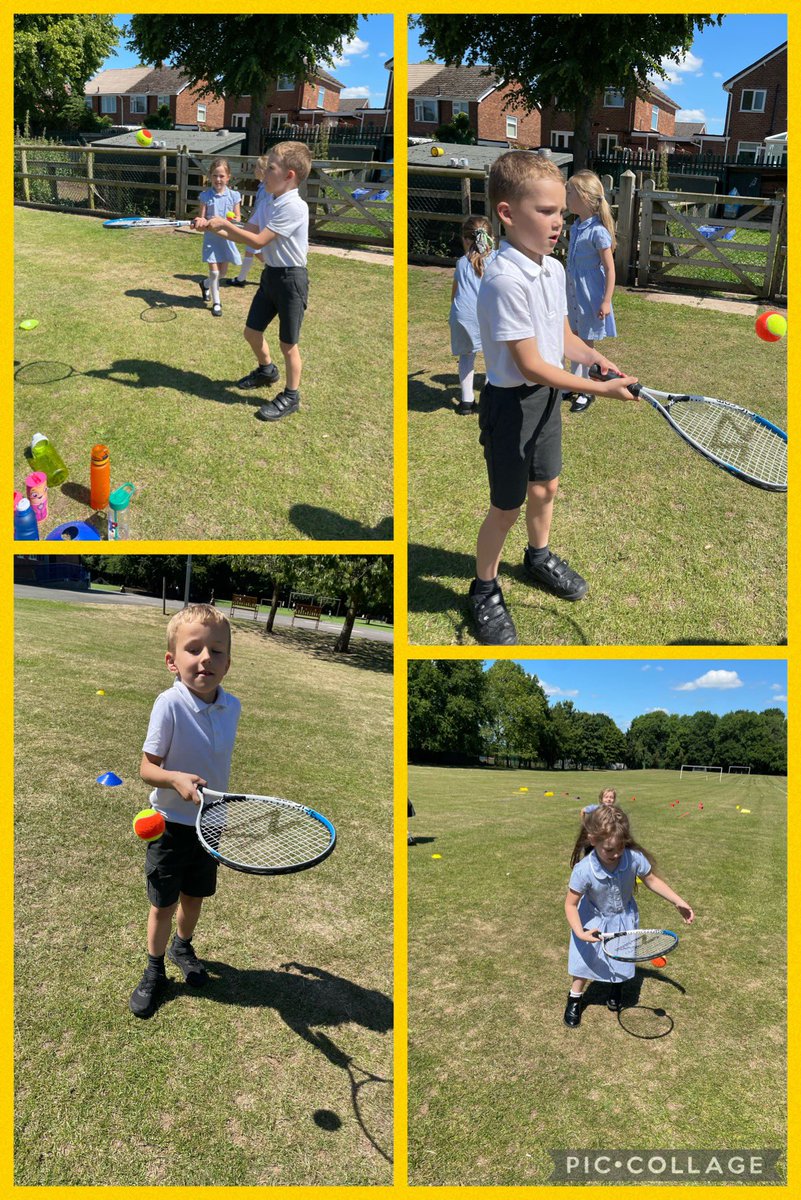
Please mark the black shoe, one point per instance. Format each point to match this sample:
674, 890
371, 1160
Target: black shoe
146, 995
464, 409
491, 620
573, 1011
237, 282
581, 402
614, 1001
205, 290
556, 576
188, 963
261, 377
216, 310
281, 406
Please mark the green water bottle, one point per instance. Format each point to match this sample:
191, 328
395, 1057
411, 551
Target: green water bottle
119, 526
45, 457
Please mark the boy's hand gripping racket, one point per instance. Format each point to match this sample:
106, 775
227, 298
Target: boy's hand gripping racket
739, 441
637, 945
262, 835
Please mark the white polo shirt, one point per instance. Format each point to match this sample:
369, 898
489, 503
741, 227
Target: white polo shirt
519, 298
189, 735
288, 216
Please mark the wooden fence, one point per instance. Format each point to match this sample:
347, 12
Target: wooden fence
348, 201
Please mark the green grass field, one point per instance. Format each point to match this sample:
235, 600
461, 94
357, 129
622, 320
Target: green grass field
697, 1059
162, 395
280, 1071
674, 550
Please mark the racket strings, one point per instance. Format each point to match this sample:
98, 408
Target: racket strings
257, 834
734, 437
645, 943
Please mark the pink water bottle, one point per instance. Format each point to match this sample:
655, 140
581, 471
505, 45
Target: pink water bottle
36, 491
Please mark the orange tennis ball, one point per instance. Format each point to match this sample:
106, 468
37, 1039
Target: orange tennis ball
770, 326
148, 825
659, 962
144, 137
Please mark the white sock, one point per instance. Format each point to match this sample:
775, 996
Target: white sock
580, 369
575, 995
244, 270
214, 286
466, 364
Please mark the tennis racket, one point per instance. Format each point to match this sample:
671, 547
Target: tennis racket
149, 223
262, 835
746, 445
638, 945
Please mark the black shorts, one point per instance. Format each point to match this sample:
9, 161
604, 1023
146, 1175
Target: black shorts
521, 432
178, 863
283, 292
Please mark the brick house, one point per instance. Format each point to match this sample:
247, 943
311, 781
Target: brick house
445, 91
618, 122
291, 102
129, 95
757, 105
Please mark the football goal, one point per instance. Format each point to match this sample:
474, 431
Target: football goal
739, 770
700, 771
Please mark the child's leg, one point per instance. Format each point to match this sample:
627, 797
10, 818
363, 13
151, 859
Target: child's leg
214, 283
491, 537
293, 364
159, 924
572, 1016
467, 364
188, 913
255, 339
539, 561
247, 263
580, 368
539, 512
577, 986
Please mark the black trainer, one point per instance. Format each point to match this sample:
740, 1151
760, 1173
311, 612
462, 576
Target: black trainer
573, 1011
281, 406
556, 576
147, 993
491, 620
261, 377
464, 409
581, 402
237, 282
615, 1001
188, 963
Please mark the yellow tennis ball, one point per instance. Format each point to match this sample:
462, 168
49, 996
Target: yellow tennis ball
230, 216
144, 137
776, 324
148, 825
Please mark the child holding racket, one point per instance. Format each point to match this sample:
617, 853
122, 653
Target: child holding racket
189, 743
217, 200
256, 223
284, 285
465, 337
606, 862
522, 317
590, 269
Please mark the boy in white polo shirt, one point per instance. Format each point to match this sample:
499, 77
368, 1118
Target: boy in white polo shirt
189, 743
522, 316
284, 285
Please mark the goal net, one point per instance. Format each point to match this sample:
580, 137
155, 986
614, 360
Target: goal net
739, 770
703, 772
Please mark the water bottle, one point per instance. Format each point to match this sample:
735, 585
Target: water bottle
26, 527
36, 491
99, 479
118, 517
45, 457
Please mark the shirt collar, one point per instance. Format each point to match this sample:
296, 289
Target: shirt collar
526, 265
197, 705
602, 872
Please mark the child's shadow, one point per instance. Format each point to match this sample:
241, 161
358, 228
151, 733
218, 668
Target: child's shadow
153, 298
424, 396
142, 373
638, 1020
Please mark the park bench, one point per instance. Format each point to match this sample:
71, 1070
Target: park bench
308, 612
249, 603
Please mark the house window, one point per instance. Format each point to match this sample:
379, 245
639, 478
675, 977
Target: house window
239, 120
655, 118
108, 104
162, 102
286, 83
460, 106
753, 100
277, 121
138, 105
613, 98
561, 139
321, 98
747, 151
201, 113
511, 127
425, 111
607, 144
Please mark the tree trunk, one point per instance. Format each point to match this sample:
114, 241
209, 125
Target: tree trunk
255, 123
582, 127
343, 641
268, 628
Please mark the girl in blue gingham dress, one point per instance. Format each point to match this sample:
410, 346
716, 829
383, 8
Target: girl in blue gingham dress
465, 337
218, 200
606, 864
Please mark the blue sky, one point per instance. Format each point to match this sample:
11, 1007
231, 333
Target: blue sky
361, 68
626, 688
716, 54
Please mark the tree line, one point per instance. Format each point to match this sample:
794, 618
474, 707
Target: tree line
460, 713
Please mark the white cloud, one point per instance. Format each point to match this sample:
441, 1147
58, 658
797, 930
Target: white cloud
783, 698
354, 93
550, 689
720, 680
717, 74
691, 114
776, 687
647, 667
354, 48
689, 64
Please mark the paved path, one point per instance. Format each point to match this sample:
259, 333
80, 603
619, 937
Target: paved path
24, 591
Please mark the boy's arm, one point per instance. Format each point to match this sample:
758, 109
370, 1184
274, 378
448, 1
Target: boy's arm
236, 233
529, 363
185, 784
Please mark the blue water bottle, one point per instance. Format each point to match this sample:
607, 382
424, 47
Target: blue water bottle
26, 527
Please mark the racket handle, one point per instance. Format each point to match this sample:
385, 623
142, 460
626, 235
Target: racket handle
595, 372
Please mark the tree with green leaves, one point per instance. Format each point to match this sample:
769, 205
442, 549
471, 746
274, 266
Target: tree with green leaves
364, 580
242, 55
54, 57
445, 707
457, 133
565, 61
516, 712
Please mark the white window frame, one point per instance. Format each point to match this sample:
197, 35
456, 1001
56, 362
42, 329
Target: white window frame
511, 127
239, 120
321, 97
422, 106
201, 114
613, 98
612, 141
135, 100
655, 119
108, 104
285, 84
561, 138
278, 121
753, 92
162, 101
460, 106
748, 148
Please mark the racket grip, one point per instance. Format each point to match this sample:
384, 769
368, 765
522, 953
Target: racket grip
595, 372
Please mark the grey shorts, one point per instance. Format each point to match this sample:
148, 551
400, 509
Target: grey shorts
521, 432
283, 293
177, 863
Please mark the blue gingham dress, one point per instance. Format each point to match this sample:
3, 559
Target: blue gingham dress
586, 280
607, 903
215, 248
465, 336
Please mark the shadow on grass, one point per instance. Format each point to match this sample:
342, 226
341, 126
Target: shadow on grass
428, 565
363, 653
145, 374
322, 523
155, 298
423, 397
637, 1020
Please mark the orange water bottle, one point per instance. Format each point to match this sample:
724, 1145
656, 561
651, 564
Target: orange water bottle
99, 479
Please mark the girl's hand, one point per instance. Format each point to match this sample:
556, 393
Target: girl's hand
588, 935
686, 912
215, 224
605, 309
186, 785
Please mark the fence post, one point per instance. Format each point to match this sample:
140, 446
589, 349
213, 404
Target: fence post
26, 183
465, 189
182, 180
776, 268
90, 176
163, 185
624, 257
646, 216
